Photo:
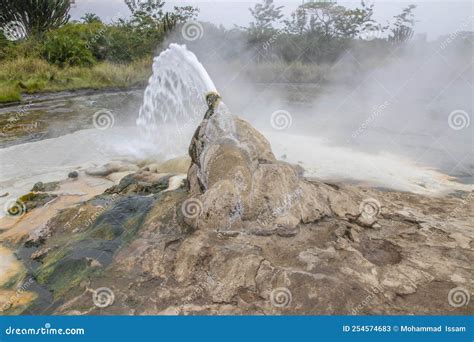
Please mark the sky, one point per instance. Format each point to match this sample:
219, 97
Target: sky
434, 18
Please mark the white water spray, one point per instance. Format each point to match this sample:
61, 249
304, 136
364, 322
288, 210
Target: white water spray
174, 100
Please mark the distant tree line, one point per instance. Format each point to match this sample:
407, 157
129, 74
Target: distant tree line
315, 32
319, 30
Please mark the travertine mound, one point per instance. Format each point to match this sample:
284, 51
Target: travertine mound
239, 184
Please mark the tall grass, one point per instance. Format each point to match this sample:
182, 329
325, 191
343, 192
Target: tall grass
31, 75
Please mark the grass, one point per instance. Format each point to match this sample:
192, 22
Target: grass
9, 93
34, 75
27, 75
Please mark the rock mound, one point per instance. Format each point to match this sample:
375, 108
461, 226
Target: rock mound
237, 182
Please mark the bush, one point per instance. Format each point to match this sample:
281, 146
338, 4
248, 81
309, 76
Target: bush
126, 42
84, 44
20, 49
70, 45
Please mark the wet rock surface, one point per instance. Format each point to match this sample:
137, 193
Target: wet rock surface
244, 233
154, 263
235, 176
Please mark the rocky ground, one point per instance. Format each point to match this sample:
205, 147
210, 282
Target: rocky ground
232, 230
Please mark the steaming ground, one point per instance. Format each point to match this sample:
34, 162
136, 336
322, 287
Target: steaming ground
386, 127
52, 159
335, 163
399, 106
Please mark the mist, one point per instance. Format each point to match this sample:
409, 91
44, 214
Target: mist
398, 100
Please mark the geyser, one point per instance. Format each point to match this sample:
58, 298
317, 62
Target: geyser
174, 100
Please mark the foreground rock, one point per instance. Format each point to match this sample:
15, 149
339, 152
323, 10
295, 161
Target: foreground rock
244, 233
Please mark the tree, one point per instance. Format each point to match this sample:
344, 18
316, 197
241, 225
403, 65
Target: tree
403, 26
182, 14
329, 20
90, 18
151, 8
297, 22
36, 16
149, 13
261, 31
359, 21
265, 14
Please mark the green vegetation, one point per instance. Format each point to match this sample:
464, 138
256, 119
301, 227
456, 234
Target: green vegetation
60, 273
30, 75
35, 16
9, 94
77, 55
49, 53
